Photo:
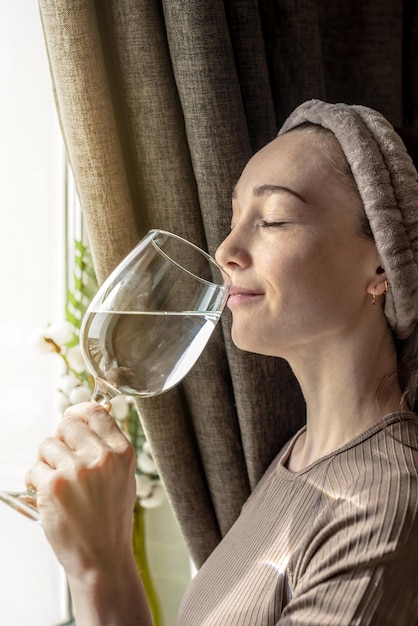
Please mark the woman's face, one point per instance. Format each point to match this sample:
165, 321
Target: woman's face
300, 271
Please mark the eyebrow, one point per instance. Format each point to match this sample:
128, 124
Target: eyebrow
268, 190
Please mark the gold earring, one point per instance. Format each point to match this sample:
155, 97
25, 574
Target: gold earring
374, 297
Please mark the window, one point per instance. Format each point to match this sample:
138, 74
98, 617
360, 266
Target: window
32, 261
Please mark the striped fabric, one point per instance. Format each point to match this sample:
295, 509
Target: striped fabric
336, 543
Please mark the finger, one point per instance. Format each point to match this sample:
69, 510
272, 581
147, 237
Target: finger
55, 452
88, 426
56, 492
96, 417
77, 435
76, 475
38, 476
91, 435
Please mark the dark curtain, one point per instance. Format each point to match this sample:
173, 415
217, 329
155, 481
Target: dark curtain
161, 104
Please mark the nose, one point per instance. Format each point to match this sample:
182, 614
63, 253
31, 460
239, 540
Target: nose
232, 252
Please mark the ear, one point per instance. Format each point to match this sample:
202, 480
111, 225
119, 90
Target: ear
378, 285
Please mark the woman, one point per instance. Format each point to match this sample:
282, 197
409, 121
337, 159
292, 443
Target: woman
323, 257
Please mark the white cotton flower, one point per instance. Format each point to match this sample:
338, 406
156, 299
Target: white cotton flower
61, 402
79, 394
39, 342
156, 498
147, 448
60, 332
143, 485
146, 463
68, 382
120, 407
75, 359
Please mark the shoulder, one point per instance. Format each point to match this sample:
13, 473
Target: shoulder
386, 452
367, 510
371, 488
365, 529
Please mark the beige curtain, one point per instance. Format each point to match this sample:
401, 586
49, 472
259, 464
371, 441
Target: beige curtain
161, 103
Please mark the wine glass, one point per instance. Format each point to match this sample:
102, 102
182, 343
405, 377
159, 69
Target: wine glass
147, 325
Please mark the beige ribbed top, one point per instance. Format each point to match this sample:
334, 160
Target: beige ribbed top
334, 544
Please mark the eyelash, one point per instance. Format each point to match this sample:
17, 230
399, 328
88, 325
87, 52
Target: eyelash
264, 224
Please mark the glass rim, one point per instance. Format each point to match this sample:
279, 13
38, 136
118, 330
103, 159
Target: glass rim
210, 258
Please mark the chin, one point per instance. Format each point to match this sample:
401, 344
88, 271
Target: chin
243, 342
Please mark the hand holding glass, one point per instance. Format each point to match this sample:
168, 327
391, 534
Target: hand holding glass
148, 324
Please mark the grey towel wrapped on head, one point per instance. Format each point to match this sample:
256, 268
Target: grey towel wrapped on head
387, 181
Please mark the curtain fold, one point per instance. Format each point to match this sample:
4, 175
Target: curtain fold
87, 118
161, 104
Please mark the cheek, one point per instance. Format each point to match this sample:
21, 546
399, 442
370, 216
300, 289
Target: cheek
304, 268
325, 259
312, 280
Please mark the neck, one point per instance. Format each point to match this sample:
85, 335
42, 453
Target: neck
347, 386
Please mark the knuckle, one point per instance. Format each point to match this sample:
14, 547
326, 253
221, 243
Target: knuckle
45, 444
59, 487
74, 411
122, 456
68, 420
94, 411
94, 408
102, 461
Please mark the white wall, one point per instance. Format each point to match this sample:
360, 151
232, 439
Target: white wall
32, 253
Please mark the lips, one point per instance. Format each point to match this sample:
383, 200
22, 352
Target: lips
242, 295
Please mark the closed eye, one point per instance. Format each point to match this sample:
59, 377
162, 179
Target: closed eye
265, 224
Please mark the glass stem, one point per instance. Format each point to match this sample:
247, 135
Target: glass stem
102, 395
